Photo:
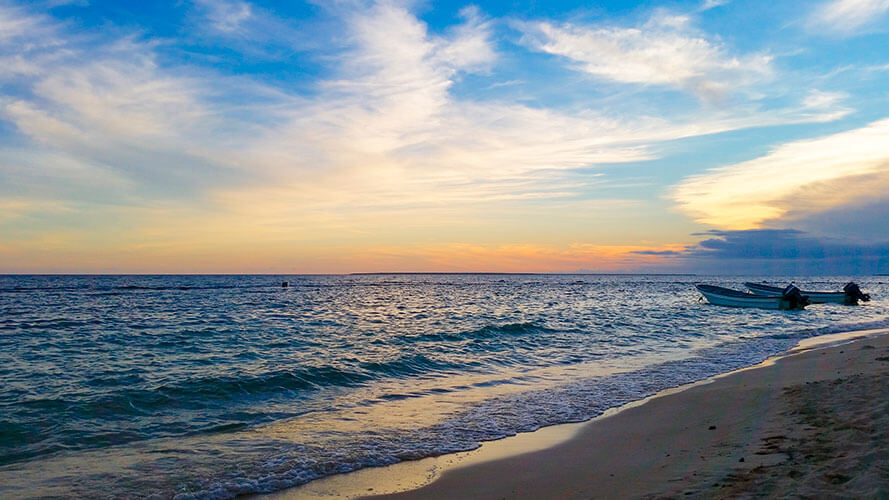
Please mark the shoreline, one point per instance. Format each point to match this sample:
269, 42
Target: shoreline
631, 442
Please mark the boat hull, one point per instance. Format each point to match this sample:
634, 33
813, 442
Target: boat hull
722, 297
814, 297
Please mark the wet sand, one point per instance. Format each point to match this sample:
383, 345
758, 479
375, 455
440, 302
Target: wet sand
811, 424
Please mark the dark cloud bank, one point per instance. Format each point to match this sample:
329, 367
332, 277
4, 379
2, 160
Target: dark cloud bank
779, 251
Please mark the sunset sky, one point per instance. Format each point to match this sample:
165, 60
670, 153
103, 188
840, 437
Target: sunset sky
214, 136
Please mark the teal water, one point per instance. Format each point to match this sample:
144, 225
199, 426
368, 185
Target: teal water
215, 386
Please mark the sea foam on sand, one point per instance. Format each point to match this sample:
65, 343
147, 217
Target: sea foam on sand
814, 423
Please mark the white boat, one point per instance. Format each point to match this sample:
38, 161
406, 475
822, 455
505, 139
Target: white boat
850, 295
790, 299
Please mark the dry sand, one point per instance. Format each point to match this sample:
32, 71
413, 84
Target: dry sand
810, 425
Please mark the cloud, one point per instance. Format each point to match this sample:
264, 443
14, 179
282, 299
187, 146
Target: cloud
114, 107
158, 157
14, 208
103, 122
656, 252
867, 212
787, 252
824, 100
16, 24
710, 4
225, 15
665, 51
36, 178
847, 17
384, 129
764, 244
841, 167
384, 132
469, 46
387, 131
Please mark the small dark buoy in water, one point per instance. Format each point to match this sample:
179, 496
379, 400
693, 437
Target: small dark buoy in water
284, 284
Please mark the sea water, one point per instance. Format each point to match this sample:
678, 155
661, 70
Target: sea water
215, 386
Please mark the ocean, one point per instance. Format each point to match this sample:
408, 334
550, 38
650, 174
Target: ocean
217, 386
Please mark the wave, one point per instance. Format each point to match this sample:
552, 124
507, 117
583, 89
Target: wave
208, 391
403, 366
195, 393
279, 381
851, 327
486, 332
164, 362
844, 327
55, 423
47, 324
494, 418
311, 378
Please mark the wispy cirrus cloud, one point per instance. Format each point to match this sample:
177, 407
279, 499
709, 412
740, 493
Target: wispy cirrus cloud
388, 132
711, 4
846, 17
817, 99
384, 132
174, 156
801, 177
667, 50
386, 129
115, 108
226, 15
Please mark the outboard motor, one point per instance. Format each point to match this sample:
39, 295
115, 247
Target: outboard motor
796, 299
854, 294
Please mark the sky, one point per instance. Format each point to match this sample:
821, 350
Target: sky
228, 136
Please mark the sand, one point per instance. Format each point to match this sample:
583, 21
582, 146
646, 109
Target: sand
814, 424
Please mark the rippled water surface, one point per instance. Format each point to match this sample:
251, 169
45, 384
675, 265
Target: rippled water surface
214, 386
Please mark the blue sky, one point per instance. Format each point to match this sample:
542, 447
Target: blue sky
236, 136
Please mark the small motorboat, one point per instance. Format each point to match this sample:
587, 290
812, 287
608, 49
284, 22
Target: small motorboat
850, 295
784, 299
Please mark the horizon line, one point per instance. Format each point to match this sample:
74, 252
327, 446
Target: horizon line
372, 273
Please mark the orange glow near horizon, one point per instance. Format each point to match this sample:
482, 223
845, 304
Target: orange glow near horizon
56, 256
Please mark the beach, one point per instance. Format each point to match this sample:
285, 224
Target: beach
813, 423
192, 387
